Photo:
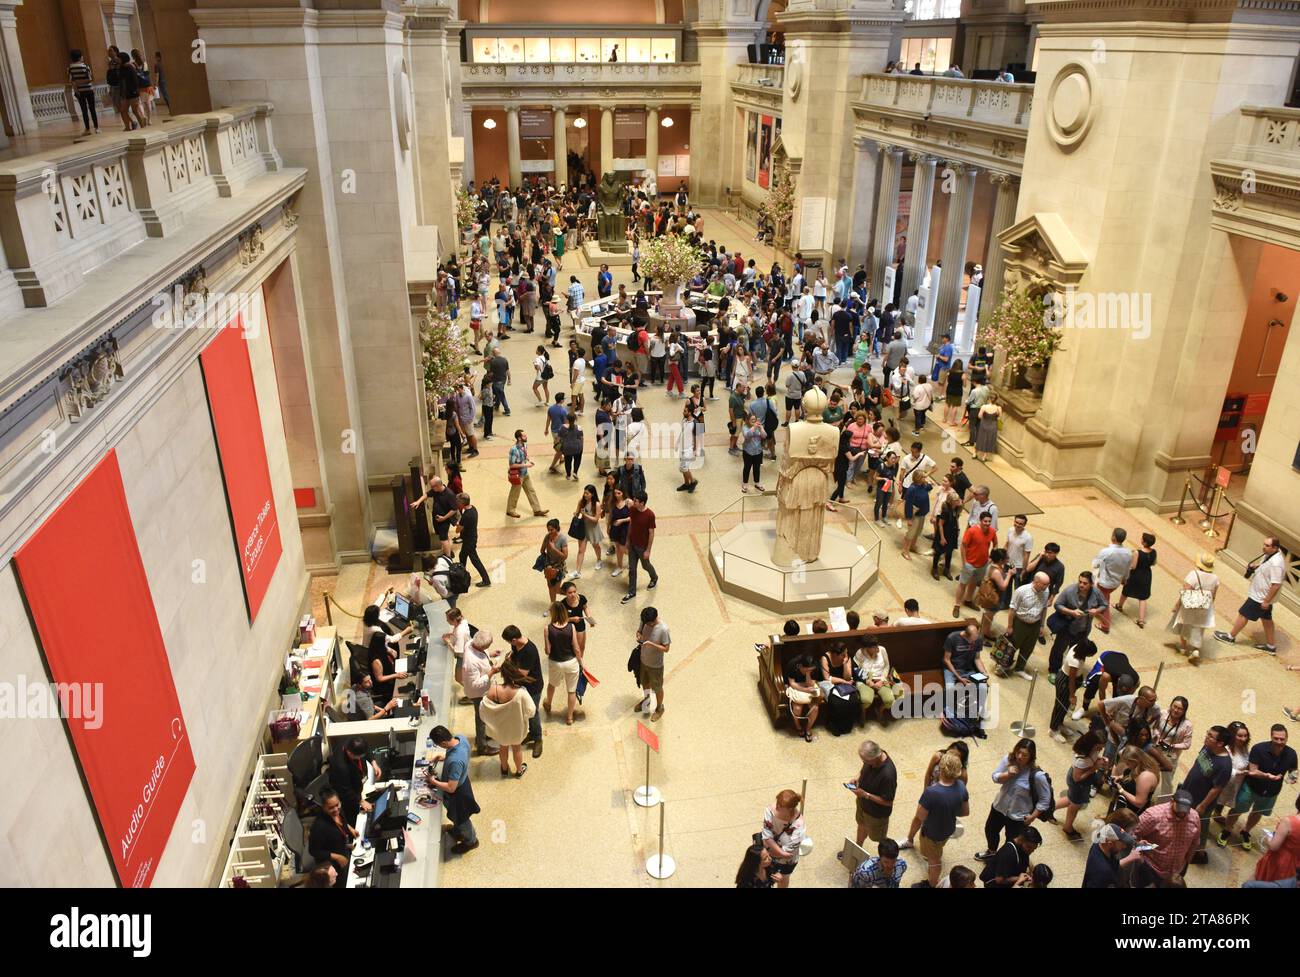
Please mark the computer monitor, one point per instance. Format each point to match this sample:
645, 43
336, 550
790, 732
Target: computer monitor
381, 808
402, 606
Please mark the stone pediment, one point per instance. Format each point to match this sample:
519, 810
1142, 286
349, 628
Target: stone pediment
1041, 254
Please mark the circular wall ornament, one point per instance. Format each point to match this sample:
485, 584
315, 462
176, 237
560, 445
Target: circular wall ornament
794, 70
403, 106
1071, 104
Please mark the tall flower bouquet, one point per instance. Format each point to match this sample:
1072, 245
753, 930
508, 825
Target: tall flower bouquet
1022, 327
777, 208
669, 261
466, 212
444, 355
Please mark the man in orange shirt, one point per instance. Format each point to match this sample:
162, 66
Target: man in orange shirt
976, 544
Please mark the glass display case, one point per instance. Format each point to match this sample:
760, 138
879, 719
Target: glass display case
641, 49
537, 50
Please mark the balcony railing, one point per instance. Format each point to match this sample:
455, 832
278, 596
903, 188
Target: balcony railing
604, 73
55, 103
66, 212
992, 103
1270, 133
761, 76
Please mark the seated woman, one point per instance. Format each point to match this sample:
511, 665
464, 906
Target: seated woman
804, 694
874, 674
836, 669
331, 838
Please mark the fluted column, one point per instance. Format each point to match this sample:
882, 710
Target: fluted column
882, 238
606, 140
513, 152
918, 225
1004, 215
561, 147
13, 75
652, 141
467, 124
956, 237
695, 143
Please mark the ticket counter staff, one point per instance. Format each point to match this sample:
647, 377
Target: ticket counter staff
332, 838
383, 669
372, 625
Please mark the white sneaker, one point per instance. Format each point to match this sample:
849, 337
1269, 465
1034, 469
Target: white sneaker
1058, 736
617, 572
1026, 676
1077, 714
600, 565
574, 575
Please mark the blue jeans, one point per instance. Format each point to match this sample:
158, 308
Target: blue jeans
959, 696
535, 724
1290, 883
499, 393
843, 348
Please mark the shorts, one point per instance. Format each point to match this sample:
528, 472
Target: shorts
970, 574
1247, 801
791, 403
877, 828
1252, 611
563, 676
931, 850
1078, 791
783, 868
442, 529
555, 442
575, 390
652, 679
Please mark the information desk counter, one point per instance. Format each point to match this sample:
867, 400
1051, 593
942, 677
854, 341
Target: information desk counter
420, 864
915, 652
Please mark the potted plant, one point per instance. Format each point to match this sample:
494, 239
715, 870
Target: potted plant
670, 261
444, 356
1023, 328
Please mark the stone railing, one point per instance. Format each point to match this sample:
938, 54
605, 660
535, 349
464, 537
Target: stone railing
760, 75
55, 104
67, 212
991, 103
1271, 134
605, 73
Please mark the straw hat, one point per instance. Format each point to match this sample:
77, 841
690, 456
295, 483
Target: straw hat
1205, 561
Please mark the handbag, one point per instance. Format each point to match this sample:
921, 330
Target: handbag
514, 477
1004, 652
1195, 600
577, 528
988, 596
1057, 622
798, 696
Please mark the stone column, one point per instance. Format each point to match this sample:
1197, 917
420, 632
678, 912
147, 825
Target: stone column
956, 236
606, 139
513, 151
1004, 215
882, 238
560, 149
918, 225
721, 35
467, 128
15, 95
652, 140
427, 53
120, 18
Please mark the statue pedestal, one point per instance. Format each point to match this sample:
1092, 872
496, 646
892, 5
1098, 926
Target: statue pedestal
597, 256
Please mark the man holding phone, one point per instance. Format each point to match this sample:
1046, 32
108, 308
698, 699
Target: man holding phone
875, 787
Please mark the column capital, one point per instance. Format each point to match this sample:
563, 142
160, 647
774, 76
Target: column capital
1009, 181
960, 167
917, 156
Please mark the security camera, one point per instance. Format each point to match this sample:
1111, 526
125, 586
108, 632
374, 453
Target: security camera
1280, 297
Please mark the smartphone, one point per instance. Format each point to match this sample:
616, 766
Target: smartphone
1145, 846
848, 786
366, 843
414, 818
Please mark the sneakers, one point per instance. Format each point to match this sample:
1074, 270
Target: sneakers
573, 575
1222, 840
1247, 844
1059, 736
627, 598
904, 845
691, 488
618, 572
600, 565
1263, 646
1077, 714
484, 583
657, 714
654, 582
985, 856
1225, 637
1025, 675
1293, 716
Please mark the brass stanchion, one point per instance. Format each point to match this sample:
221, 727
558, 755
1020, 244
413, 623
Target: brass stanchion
1178, 520
329, 618
1210, 520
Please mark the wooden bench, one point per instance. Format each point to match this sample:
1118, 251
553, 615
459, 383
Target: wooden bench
915, 652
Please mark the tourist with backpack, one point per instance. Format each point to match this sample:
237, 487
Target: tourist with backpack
1025, 796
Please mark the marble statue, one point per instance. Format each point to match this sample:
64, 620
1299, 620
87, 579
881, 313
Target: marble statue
803, 484
649, 184
610, 222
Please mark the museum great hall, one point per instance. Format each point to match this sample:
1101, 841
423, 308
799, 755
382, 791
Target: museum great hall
220, 442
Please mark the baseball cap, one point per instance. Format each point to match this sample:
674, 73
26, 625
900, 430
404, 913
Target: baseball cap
1183, 800
1112, 833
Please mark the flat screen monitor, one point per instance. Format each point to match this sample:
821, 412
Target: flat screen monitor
402, 606
381, 808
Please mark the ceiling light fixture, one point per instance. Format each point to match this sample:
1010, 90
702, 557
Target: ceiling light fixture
489, 123
666, 122
579, 123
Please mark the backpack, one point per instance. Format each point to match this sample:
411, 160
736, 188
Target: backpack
547, 372
843, 706
770, 420
955, 727
457, 579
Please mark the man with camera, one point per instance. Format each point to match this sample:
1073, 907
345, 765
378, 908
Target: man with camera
1266, 579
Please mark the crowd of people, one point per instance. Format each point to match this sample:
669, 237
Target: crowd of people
777, 335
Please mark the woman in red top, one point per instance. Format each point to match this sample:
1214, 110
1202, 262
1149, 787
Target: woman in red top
1280, 866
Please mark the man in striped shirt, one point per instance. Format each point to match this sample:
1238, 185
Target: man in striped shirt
83, 86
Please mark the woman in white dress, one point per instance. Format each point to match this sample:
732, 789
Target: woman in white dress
540, 363
1191, 623
506, 710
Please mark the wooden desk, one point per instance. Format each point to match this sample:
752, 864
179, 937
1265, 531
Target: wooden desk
915, 652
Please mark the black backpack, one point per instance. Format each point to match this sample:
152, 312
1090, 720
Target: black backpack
457, 579
547, 372
842, 710
770, 421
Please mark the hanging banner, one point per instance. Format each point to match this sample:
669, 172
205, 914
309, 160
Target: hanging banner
629, 123
107, 659
536, 124
228, 374
765, 151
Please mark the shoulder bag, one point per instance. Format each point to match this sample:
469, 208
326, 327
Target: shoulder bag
1195, 600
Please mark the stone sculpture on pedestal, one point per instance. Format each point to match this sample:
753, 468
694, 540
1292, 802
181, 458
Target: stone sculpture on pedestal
803, 484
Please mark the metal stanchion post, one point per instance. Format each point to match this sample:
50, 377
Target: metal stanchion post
660, 866
1159, 672
1022, 727
329, 618
1178, 520
1210, 521
647, 796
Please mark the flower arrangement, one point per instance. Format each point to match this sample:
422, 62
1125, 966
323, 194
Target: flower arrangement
444, 356
466, 212
1023, 328
778, 207
670, 259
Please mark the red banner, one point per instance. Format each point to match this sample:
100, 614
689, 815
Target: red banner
105, 652
228, 374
